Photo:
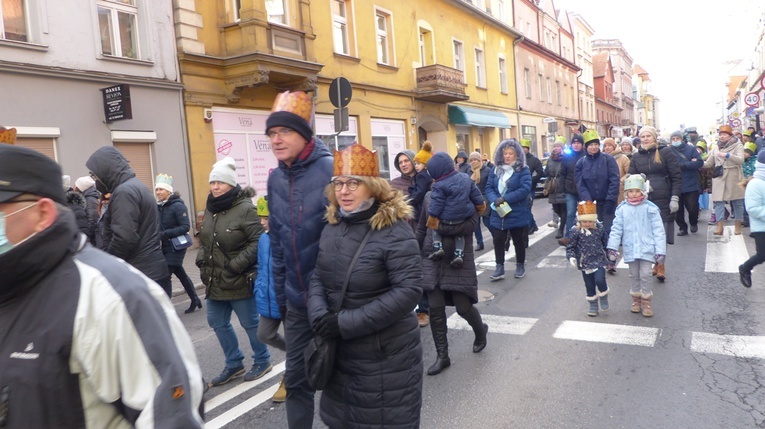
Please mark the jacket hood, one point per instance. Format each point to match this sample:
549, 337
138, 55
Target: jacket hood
388, 212
461, 154
409, 154
75, 198
440, 165
110, 166
247, 192
500, 160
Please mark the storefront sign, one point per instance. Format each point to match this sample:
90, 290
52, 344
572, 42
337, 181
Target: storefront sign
117, 103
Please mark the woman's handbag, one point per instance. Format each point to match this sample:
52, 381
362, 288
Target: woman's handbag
319, 354
181, 242
717, 171
550, 185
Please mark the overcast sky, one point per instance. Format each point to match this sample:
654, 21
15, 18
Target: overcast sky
684, 45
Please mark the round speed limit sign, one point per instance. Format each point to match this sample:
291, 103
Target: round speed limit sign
752, 99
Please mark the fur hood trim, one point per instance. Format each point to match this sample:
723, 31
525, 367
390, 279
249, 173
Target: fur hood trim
388, 212
247, 192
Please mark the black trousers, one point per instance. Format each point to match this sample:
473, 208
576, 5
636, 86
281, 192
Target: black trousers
688, 201
759, 257
520, 238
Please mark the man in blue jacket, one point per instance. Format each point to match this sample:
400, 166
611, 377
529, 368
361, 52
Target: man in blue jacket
567, 176
597, 179
297, 206
690, 164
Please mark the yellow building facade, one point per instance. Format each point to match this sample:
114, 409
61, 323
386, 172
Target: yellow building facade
441, 71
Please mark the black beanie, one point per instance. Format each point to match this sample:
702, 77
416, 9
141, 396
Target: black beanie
292, 121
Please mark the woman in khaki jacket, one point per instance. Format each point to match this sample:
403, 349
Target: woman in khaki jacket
610, 147
729, 153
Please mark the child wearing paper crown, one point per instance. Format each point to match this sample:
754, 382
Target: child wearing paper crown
454, 199
638, 228
586, 251
265, 295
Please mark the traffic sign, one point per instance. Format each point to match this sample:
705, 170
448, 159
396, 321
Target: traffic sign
340, 92
750, 112
762, 82
735, 123
752, 99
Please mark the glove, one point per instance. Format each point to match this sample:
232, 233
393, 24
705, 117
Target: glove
433, 222
283, 312
481, 209
674, 204
328, 327
659, 258
498, 201
573, 262
613, 255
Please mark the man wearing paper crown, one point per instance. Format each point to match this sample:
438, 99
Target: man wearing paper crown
297, 205
373, 310
586, 251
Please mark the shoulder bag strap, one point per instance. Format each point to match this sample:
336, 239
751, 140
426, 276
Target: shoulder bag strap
350, 270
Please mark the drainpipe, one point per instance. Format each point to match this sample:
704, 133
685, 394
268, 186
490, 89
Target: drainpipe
517, 106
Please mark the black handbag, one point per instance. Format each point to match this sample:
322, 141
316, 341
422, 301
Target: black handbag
319, 354
717, 171
181, 242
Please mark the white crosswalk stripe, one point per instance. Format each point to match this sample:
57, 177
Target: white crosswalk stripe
486, 260
724, 252
607, 333
731, 345
497, 324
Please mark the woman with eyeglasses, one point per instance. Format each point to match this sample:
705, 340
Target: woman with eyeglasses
377, 381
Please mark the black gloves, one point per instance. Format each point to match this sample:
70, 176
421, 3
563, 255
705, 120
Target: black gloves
498, 201
328, 327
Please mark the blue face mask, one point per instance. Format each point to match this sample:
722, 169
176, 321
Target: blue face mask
677, 143
5, 244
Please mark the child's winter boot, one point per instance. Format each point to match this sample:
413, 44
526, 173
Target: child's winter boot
645, 304
458, 259
635, 307
438, 251
603, 300
593, 311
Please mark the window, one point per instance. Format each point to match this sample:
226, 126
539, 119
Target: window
426, 47
277, 11
501, 10
117, 21
527, 82
502, 76
340, 27
541, 88
480, 69
459, 58
384, 37
557, 92
549, 91
237, 4
12, 21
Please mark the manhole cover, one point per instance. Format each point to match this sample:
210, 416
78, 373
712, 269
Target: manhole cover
484, 295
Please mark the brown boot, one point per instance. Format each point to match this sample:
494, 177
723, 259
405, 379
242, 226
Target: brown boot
635, 307
655, 269
720, 229
737, 228
645, 305
660, 272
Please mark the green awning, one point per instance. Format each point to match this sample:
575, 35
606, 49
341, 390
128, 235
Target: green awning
462, 115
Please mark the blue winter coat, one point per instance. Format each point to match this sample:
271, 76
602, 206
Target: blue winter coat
567, 175
422, 183
516, 195
297, 205
597, 178
588, 247
689, 168
265, 294
640, 231
454, 195
173, 222
755, 204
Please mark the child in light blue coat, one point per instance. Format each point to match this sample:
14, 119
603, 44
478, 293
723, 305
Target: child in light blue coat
640, 231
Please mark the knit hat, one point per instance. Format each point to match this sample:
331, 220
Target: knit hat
587, 210
66, 182
609, 141
262, 206
634, 181
750, 147
84, 183
424, 155
651, 130
409, 154
164, 181
356, 160
292, 110
224, 171
627, 140
635, 140
26, 171
675, 134
577, 138
474, 156
761, 157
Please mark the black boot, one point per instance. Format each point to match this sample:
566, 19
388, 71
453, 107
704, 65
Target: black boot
438, 328
195, 302
479, 329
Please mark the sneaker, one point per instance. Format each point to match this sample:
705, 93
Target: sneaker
227, 375
694, 228
552, 224
712, 220
257, 371
479, 247
520, 271
499, 273
281, 392
423, 319
682, 233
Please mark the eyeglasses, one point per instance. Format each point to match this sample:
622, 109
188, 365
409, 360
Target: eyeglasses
284, 132
352, 184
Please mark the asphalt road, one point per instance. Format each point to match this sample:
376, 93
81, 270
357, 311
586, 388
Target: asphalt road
696, 364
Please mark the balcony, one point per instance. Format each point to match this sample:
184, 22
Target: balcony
440, 84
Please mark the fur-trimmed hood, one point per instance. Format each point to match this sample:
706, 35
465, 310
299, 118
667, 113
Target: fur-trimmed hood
499, 158
388, 212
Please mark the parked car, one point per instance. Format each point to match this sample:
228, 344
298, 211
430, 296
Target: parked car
538, 191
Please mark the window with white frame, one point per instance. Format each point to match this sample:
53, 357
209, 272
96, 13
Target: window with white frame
502, 76
527, 82
13, 21
118, 25
557, 92
237, 6
541, 88
340, 27
549, 91
480, 69
501, 10
459, 57
384, 31
277, 11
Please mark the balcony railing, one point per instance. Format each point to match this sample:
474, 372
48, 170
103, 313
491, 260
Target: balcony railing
440, 84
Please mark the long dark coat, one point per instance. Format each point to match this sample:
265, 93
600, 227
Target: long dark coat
665, 179
173, 222
377, 381
554, 170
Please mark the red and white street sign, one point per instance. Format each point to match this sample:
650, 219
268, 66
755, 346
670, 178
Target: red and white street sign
735, 123
752, 99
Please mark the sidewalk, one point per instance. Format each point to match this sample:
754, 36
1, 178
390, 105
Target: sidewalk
191, 269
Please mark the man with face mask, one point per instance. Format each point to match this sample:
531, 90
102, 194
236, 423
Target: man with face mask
130, 224
690, 164
86, 341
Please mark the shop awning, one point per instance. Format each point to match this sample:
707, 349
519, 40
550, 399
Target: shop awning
462, 115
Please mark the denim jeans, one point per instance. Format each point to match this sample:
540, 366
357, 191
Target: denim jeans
571, 202
219, 318
593, 280
738, 209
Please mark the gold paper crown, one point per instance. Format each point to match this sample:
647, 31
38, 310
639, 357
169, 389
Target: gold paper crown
587, 210
8, 136
262, 205
356, 160
298, 103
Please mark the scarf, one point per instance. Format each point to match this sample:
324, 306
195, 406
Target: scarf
224, 202
759, 171
505, 173
556, 154
636, 200
365, 205
476, 166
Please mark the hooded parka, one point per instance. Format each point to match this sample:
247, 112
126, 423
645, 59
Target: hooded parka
377, 381
517, 192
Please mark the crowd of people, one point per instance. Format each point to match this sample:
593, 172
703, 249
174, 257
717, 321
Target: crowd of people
351, 259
